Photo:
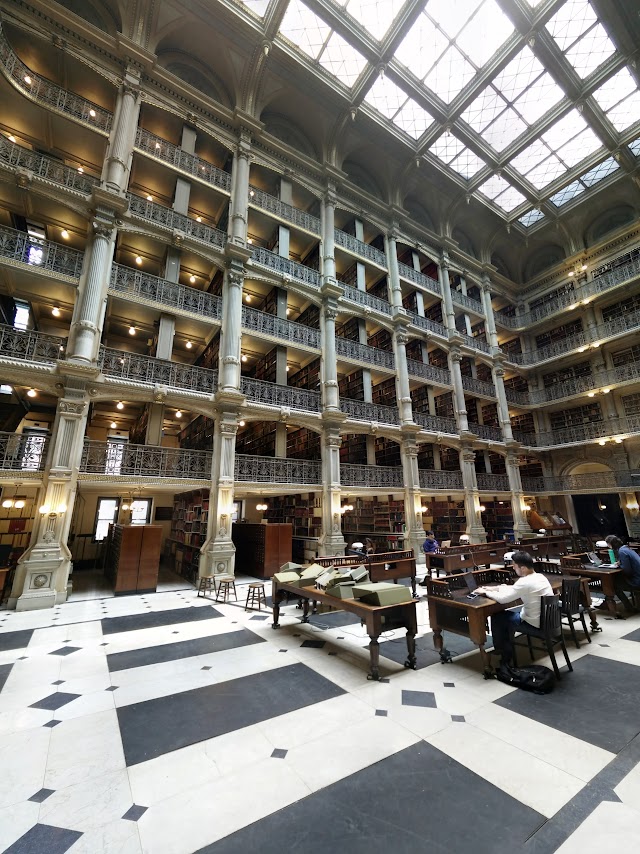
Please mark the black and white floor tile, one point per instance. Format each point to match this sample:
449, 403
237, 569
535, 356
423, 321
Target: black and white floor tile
171, 724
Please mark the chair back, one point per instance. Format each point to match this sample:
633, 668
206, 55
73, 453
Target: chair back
570, 596
550, 617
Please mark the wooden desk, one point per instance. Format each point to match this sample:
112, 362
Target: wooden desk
552, 570
467, 557
606, 578
377, 618
401, 564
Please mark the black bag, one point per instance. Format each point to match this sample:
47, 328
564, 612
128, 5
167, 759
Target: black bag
535, 678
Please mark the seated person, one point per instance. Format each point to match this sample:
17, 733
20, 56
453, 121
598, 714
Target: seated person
356, 549
430, 545
368, 546
529, 587
629, 563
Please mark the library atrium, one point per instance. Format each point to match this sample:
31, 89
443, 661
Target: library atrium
278, 277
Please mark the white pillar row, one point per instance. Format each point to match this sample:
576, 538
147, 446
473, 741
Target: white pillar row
90, 306
331, 540
443, 278
217, 555
123, 134
475, 529
328, 364
520, 524
497, 369
489, 317
391, 251
414, 533
460, 409
328, 235
42, 575
230, 336
239, 217
403, 394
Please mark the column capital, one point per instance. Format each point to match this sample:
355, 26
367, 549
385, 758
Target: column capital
330, 197
468, 455
456, 354
444, 259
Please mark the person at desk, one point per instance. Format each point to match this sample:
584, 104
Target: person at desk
357, 550
629, 563
430, 545
529, 587
368, 546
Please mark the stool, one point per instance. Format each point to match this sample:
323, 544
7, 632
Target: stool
226, 584
207, 584
255, 594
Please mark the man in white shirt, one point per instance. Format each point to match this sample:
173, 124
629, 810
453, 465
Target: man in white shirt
529, 587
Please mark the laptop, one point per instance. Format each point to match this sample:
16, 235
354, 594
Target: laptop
472, 585
595, 560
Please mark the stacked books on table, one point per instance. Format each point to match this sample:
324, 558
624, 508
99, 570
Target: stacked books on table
350, 583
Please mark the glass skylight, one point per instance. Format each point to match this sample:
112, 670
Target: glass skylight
593, 176
341, 60
494, 186
635, 147
583, 40
451, 151
502, 193
531, 216
467, 163
376, 16
258, 7
449, 75
396, 105
615, 89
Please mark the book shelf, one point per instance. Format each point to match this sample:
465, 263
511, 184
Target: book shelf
438, 358
215, 285
188, 531
552, 336
381, 340
490, 415
497, 519
270, 304
303, 444
420, 399
16, 526
589, 413
132, 559
307, 377
310, 317
512, 347
551, 295
197, 435
138, 433
465, 367
387, 452
265, 368
449, 458
354, 449
515, 383
384, 393
483, 372
262, 549
624, 357
434, 312
444, 405
349, 276
426, 457
380, 289
352, 386
446, 518
349, 330
582, 369
631, 404
258, 438
414, 350
302, 512
497, 463
531, 467
618, 309
410, 302
377, 519
209, 356
523, 422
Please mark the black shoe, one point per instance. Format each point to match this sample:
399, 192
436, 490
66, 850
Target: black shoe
423, 583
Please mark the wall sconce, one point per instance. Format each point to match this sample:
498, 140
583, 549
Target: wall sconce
47, 510
424, 509
633, 507
17, 502
482, 508
601, 506
126, 506
526, 507
346, 508
262, 507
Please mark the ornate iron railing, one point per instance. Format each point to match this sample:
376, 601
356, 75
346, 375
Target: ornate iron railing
23, 452
366, 299
440, 479
174, 221
285, 266
484, 431
358, 247
430, 325
362, 411
30, 346
493, 482
364, 353
135, 283
40, 255
429, 372
436, 423
133, 367
274, 394
266, 202
474, 342
592, 480
478, 387
43, 91
519, 398
382, 477
458, 298
429, 284
191, 164
126, 460
45, 167
268, 324
249, 469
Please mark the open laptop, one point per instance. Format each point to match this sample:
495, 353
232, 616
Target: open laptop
472, 584
595, 560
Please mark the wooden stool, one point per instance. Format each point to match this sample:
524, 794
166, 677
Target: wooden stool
226, 584
207, 585
255, 594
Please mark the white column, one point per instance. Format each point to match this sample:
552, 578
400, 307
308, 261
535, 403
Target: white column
471, 496
230, 337
217, 555
497, 370
123, 133
455, 357
329, 366
520, 524
443, 278
488, 311
240, 197
414, 534
403, 393
331, 540
391, 251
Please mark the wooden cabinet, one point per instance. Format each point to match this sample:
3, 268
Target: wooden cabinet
261, 549
133, 558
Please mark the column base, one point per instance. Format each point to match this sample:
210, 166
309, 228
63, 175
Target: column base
477, 534
46, 581
332, 546
415, 540
218, 559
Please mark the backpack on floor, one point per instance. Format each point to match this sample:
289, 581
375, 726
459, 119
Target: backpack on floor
535, 678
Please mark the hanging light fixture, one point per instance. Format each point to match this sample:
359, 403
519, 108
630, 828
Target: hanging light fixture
132, 330
119, 405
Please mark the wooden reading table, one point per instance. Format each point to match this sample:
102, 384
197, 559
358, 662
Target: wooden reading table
383, 566
377, 618
605, 576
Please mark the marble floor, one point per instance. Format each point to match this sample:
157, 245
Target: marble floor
168, 724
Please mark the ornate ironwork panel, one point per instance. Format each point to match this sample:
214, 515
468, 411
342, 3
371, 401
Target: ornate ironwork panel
382, 477
145, 461
478, 387
41, 254
436, 423
362, 411
429, 325
170, 219
493, 482
285, 266
459, 298
440, 479
45, 167
429, 284
23, 452
189, 163
250, 469
135, 283
30, 346
358, 247
268, 324
428, 372
483, 431
266, 202
366, 299
146, 369
273, 394
364, 353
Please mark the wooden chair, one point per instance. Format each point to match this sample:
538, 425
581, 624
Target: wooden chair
571, 610
549, 633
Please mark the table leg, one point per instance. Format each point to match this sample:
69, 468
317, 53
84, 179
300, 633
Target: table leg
277, 599
413, 586
486, 662
305, 611
374, 655
411, 649
438, 642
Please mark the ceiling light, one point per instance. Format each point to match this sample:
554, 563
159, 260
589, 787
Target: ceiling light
113, 425
188, 345
606, 390
132, 330
251, 193
27, 79
240, 423
80, 169
288, 312
482, 508
618, 441
597, 344
126, 506
61, 347
198, 219
19, 503
32, 392
602, 442
64, 234
138, 260
247, 297
12, 138
249, 239
584, 267
586, 301
192, 279
244, 357
7, 503
149, 198
55, 311
288, 368
591, 394
157, 146
581, 349
119, 405
178, 413
92, 113
571, 274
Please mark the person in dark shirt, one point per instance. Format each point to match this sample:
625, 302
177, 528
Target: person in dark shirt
430, 545
629, 577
